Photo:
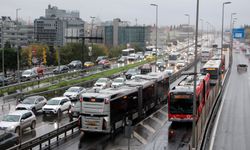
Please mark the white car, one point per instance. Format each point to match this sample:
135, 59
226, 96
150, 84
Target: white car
74, 92
33, 103
118, 82
18, 120
180, 63
57, 105
102, 83
169, 70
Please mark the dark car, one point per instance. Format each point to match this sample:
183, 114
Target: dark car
61, 69
146, 68
8, 139
99, 58
131, 73
7, 81
76, 64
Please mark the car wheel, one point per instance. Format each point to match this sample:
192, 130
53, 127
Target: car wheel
34, 110
69, 108
17, 130
59, 112
33, 125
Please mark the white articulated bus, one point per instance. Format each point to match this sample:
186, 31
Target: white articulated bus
206, 54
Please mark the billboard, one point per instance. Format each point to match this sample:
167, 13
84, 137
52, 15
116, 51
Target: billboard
238, 33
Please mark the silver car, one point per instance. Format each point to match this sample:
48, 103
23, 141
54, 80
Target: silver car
74, 92
33, 103
18, 120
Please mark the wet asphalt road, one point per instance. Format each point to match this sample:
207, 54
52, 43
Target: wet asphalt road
233, 132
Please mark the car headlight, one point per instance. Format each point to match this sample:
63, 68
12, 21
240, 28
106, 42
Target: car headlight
12, 127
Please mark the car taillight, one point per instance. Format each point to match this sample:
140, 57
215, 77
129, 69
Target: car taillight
106, 101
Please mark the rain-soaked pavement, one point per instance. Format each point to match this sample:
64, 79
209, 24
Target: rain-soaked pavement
233, 130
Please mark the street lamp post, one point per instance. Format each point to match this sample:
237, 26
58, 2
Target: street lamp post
231, 36
201, 31
3, 50
222, 30
207, 32
195, 78
188, 33
92, 23
156, 26
18, 62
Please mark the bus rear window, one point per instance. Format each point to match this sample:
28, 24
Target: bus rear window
92, 99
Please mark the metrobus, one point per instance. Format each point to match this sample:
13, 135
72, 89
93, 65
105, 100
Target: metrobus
214, 68
180, 99
106, 110
127, 52
206, 54
172, 58
218, 57
162, 81
110, 109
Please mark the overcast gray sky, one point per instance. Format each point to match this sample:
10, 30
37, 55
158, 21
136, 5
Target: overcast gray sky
170, 11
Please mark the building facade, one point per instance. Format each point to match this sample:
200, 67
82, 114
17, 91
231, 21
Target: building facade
19, 34
58, 27
121, 33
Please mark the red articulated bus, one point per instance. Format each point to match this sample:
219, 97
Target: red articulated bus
180, 99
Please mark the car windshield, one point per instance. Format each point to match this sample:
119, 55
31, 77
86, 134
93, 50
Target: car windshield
101, 80
73, 89
53, 102
29, 100
11, 118
118, 80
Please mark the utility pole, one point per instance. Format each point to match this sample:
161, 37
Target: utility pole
17, 44
195, 78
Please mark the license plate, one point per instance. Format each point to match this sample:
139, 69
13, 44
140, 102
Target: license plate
92, 123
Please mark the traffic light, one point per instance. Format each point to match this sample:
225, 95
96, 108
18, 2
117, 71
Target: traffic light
44, 56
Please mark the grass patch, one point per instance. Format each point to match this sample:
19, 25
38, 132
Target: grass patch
89, 78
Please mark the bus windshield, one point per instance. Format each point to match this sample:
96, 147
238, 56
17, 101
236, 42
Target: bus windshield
181, 104
213, 73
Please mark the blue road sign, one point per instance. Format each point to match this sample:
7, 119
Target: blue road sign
239, 33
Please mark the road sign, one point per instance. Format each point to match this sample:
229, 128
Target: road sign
239, 33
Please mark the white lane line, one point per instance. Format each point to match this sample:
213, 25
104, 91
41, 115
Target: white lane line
217, 120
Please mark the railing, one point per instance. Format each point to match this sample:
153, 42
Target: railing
48, 137
204, 123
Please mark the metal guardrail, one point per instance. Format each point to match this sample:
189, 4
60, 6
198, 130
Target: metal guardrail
212, 114
39, 141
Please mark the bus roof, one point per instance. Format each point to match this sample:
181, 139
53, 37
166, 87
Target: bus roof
153, 75
110, 92
187, 84
139, 82
212, 64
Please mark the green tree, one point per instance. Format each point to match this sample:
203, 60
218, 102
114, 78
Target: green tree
10, 57
116, 51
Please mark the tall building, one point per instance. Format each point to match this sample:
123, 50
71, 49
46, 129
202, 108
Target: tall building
58, 27
120, 33
19, 34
